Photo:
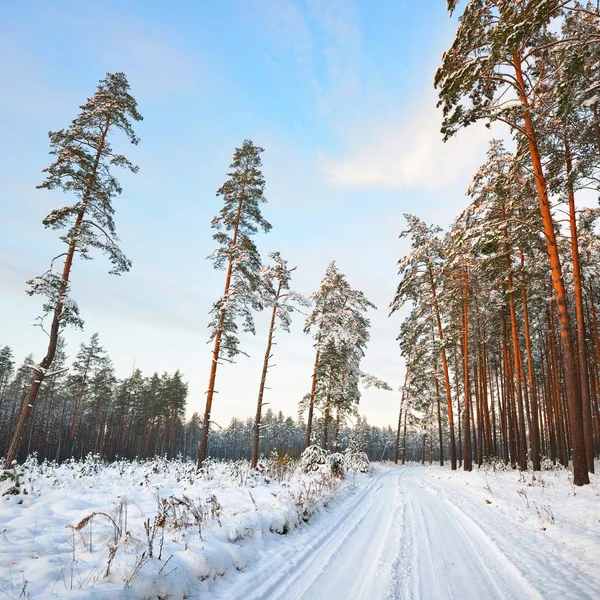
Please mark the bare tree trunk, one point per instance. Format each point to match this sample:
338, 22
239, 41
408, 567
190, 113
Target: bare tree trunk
560, 434
456, 383
478, 424
467, 458
311, 402
439, 411
404, 439
397, 446
535, 429
327, 415
521, 440
475, 433
217, 345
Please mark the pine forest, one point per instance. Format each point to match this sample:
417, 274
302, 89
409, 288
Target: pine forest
360, 362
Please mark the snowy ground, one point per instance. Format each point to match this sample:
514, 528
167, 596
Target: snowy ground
150, 530
412, 532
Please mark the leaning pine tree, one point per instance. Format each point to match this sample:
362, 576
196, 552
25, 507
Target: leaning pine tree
239, 219
277, 295
84, 166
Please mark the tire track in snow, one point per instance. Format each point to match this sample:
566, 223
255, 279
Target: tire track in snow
304, 558
455, 558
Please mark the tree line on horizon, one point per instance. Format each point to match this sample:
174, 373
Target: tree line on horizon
87, 409
501, 344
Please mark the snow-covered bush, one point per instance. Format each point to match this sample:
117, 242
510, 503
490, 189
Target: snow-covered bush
358, 462
337, 464
10, 482
313, 459
206, 471
495, 463
548, 465
152, 526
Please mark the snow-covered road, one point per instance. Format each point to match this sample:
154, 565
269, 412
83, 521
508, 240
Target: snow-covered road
446, 555
398, 538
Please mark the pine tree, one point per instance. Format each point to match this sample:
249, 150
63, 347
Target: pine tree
7, 366
176, 391
84, 366
101, 390
275, 294
239, 219
84, 166
6, 369
341, 335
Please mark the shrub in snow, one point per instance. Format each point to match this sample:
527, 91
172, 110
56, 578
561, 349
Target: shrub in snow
207, 470
92, 464
494, 463
281, 467
241, 472
357, 461
262, 465
548, 465
313, 459
10, 482
337, 464
181, 530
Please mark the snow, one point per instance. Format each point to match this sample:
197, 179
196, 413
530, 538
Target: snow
56, 540
403, 532
549, 529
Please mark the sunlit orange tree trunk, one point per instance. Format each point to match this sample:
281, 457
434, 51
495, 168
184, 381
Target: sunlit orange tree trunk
579, 313
468, 457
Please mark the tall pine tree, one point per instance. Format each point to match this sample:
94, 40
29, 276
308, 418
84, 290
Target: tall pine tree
238, 220
84, 167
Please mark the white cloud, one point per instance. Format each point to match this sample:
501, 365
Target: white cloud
394, 152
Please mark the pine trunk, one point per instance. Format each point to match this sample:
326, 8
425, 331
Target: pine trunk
580, 466
580, 319
535, 429
397, 447
263, 379
467, 458
439, 412
311, 402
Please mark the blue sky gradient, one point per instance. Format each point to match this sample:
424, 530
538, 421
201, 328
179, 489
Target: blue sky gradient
339, 93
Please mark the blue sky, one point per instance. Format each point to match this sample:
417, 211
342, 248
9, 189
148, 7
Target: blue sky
339, 93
